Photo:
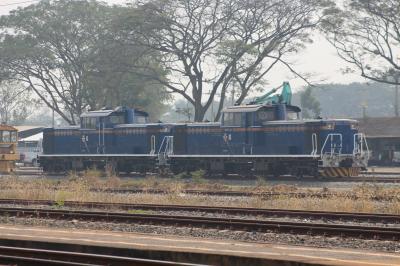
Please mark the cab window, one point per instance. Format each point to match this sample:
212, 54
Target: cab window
141, 119
6, 136
89, 122
13, 136
292, 116
117, 119
264, 116
233, 119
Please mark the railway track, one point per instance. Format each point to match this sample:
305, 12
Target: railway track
233, 193
252, 225
29, 256
264, 195
321, 215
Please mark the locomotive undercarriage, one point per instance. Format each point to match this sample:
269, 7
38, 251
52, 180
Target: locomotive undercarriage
298, 167
245, 166
116, 164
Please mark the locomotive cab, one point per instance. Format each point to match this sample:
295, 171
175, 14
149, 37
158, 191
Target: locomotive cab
96, 127
258, 129
258, 115
108, 118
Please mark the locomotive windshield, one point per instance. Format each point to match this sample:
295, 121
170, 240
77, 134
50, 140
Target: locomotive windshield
8, 136
292, 115
232, 119
117, 119
265, 116
89, 122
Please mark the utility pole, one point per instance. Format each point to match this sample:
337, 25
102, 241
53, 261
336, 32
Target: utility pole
52, 118
396, 95
364, 110
394, 75
233, 92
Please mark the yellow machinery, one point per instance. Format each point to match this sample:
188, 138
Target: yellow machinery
8, 148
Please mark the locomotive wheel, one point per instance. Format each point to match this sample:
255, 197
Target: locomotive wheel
111, 168
299, 174
164, 172
318, 176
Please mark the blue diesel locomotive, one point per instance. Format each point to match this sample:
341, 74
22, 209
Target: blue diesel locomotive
263, 139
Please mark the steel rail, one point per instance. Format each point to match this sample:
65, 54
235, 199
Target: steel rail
324, 215
267, 194
365, 232
232, 193
29, 256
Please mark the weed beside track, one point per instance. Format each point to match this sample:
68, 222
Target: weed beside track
93, 187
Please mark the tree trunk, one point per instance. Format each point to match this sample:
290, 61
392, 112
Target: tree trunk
220, 107
199, 114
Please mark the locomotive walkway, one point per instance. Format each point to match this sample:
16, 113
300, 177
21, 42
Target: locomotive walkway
373, 175
185, 250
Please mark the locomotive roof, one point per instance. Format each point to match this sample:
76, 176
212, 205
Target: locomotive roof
98, 113
254, 108
104, 113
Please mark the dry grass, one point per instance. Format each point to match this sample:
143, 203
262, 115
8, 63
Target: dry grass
80, 188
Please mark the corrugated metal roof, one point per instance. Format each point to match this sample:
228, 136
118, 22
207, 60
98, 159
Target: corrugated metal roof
36, 137
7, 127
382, 127
24, 128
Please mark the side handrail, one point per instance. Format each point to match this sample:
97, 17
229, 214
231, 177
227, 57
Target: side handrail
331, 137
167, 146
359, 142
314, 144
152, 144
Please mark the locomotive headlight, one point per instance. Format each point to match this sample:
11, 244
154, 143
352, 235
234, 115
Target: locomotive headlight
354, 126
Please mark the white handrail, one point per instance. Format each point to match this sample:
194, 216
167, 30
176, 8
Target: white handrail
152, 144
333, 144
314, 144
358, 145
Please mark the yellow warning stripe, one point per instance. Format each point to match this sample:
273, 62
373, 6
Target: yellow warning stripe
340, 171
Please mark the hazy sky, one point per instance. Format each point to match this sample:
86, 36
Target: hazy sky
318, 58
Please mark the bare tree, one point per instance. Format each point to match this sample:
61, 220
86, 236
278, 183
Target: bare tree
206, 44
16, 102
366, 34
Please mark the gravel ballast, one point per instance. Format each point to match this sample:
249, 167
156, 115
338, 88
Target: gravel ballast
274, 238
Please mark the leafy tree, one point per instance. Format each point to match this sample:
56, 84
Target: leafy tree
207, 44
115, 79
309, 104
366, 34
56, 48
